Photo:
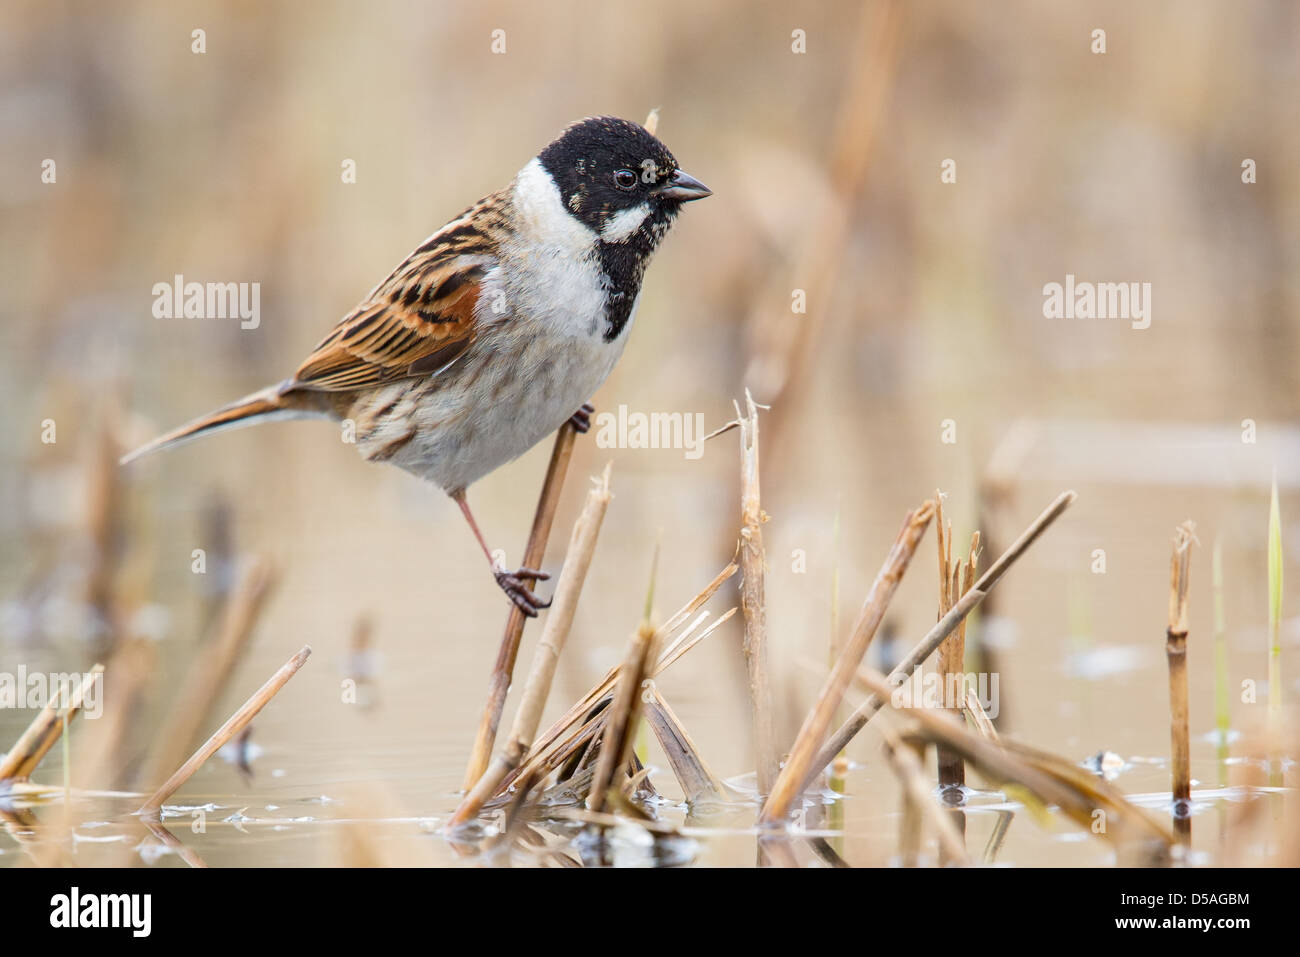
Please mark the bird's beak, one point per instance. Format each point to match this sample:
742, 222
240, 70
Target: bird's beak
683, 187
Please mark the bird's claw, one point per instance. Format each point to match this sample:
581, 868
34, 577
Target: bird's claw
581, 420
513, 584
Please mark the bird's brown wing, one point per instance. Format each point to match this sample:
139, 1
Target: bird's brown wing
417, 321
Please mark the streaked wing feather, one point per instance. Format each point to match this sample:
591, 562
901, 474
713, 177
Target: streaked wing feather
417, 321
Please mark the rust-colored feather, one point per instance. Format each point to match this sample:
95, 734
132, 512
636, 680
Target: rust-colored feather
418, 320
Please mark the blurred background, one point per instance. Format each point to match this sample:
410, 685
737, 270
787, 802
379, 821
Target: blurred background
923, 359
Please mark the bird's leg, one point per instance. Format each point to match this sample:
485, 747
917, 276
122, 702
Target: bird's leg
581, 420
512, 583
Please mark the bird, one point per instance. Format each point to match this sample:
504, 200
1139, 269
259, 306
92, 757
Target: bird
497, 329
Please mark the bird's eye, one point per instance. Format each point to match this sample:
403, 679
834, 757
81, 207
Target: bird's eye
625, 179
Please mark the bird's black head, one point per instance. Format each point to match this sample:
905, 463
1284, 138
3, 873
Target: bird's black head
605, 166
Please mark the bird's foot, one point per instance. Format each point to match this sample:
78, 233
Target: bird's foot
581, 420
513, 584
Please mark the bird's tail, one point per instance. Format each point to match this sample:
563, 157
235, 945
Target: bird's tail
275, 402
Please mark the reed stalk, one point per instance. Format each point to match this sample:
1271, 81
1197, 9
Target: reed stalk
955, 579
698, 783
642, 747
1176, 653
568, 591
560, 735
46, 729
753, 602
234, 724
621, 718
503, 670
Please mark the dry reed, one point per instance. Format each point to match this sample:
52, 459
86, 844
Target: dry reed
503, 670
621, 717
579, 724
1176, 653
753, 600
234, 724
46, 729
698, 783
568, 590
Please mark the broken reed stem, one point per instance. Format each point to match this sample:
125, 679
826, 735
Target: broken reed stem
46, 729
697, 781
234, 724
579, 712
957, 579
954, 581
1176, 652
907, 762
499, 682
210, 672
621, 717
945, 626
753, 602
577, 561
790, 782
554, 748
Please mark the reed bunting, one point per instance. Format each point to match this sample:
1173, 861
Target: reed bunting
498, 328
